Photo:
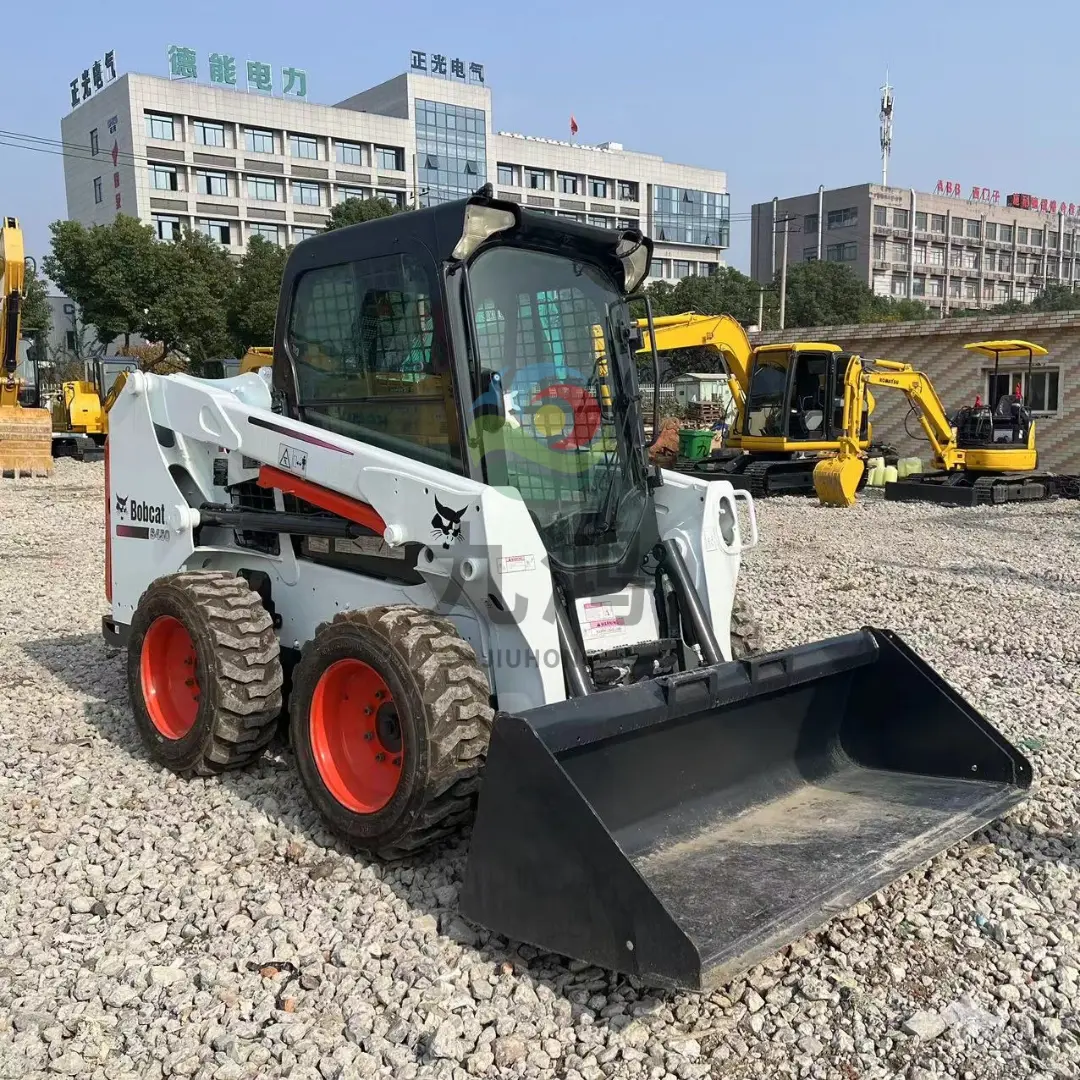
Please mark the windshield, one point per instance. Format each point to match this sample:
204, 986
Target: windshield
765, 399
549, 327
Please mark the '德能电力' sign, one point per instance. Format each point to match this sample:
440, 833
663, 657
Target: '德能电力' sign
224, 70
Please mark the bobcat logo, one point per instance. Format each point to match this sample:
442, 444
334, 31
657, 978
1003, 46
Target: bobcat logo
121, 504
446, 523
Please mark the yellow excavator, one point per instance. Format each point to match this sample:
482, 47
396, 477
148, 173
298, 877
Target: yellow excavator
982, 456
25, 429
787, 399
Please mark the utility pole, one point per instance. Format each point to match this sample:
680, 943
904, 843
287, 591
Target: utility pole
761, 309
786, 221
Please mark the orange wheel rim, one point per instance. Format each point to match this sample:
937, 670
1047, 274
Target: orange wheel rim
170, 684
356, 736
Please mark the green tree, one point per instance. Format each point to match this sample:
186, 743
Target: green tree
355, 211
823, 293
36, 312
1055, 297
253, 300
189, 313
113, 272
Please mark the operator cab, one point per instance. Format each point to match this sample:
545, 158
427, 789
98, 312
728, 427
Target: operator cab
796, 393
1005, 421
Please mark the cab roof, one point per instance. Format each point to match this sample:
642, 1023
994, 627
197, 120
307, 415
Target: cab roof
1007, 347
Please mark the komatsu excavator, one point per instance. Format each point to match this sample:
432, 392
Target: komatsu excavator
25, 429
523, 627
788, 403
981, 456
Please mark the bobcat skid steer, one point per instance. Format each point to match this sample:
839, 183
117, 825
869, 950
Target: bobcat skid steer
434, 511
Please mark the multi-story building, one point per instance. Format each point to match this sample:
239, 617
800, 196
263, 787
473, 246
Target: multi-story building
950, 249
235, 165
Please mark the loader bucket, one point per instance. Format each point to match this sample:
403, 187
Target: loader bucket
25, 441
683, 829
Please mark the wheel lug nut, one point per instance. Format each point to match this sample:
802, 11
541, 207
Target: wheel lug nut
367, 710
379, 695
369, 735
396, 761
380, 757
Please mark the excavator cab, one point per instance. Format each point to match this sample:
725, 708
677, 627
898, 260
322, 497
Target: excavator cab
1004, 424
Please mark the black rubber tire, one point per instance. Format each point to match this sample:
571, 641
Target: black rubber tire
443, 704
238, 669
747, 637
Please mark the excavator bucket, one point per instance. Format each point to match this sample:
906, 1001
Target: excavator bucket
836, 480
25, 441
683, 829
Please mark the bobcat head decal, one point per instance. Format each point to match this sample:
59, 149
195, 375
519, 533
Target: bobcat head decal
121, 504
446, 524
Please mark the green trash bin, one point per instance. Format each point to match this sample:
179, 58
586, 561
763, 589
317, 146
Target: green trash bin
694, 445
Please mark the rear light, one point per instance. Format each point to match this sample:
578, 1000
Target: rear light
108, 526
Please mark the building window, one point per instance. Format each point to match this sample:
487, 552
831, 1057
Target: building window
958, 226
920, 253
708, 269
971, 259
94, 148
971, 290
305, 192
506, 175
990, 230
691, 216
303, 232
167, 228
937, 254
1068, 241
810, 223
568, 184
1036, 238
1053, 239
221, 231
303, 146
628, 191
1005, 234
600, 221
267, 232
451, 146
881, 215
918, 285
899, 286
259, 141
1052, 268
955, 256
900, 218
395, 198
1021, 235
211, 183
954, 288
660, 268
378, 317
809, 254
935, 286
937, 224
598, 189
164, 178
1005, 261
920, 221
879, 250
843, 219
344, 191
1035, 266
899, 251
680, 268
391, 157
69, 340
209, 133
352, 154
160, 127
260, 187
97, 189
1041, 392
626, 223
842, 252
972, 231
537, 179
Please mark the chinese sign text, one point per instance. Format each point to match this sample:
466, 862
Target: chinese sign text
225, 70
93, 78
445, 67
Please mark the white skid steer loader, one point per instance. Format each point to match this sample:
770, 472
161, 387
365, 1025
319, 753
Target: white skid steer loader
435, 512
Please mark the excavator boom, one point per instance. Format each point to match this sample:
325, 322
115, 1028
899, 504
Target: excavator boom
25, 433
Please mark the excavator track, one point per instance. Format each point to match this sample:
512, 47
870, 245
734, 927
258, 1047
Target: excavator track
997, 490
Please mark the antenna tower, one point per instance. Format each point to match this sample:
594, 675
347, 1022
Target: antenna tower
886, 128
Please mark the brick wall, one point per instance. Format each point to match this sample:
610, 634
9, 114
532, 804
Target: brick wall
937, 347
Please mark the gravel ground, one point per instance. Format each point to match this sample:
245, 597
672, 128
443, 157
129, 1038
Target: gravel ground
151, 927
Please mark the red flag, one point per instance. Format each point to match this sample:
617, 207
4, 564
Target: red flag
573, 126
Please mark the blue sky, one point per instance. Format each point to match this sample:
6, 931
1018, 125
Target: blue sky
782, 96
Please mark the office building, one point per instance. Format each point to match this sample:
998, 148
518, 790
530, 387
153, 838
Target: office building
234, 164
953, 248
